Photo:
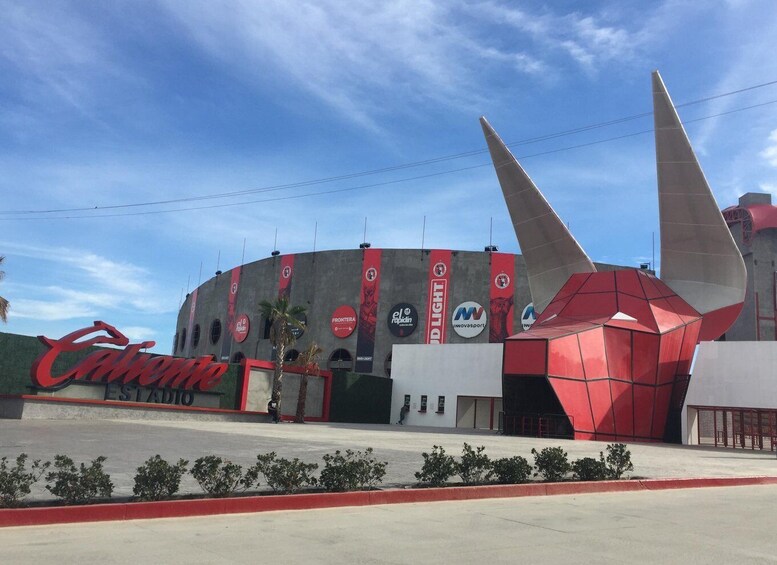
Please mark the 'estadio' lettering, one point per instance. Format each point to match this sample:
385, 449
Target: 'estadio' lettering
123, 366
437, 309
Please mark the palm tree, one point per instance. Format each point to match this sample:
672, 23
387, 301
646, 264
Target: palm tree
3, 302
308, 360
282, 318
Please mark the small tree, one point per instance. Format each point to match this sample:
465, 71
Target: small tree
437, 468
282, 317
512, 471
219, 477
589, 469
353, 471
285, 475
475, 467
309, 361
79, 485
551, 463
157, 479
618, 460
15, 482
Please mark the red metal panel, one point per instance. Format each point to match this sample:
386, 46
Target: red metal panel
572, 285
682, 308
636, 308
644, 397
601, 404
524, 357
663, 395
594, 355
717, 322
564, 358
599, 282
551, 310
645, 357
618, 344
573, 397
623, 406
647, 285
627, 282
664, 315
591, 306
688, 347
669, 354
662, 287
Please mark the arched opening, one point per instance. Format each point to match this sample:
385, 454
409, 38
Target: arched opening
291, 356
340, 360
215, 331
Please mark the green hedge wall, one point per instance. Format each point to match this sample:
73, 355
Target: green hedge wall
360, 399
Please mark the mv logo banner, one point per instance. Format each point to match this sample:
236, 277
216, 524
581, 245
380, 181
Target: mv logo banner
439, 282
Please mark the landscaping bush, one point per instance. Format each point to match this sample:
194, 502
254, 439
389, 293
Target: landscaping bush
551, 463
618, 460
15, 482
79, 485
590, 469
512, 471
437, 467
285, 475
220, 477
157, 479
475, 466
353, 471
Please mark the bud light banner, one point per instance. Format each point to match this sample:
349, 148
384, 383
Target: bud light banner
439, 281
234, 285
287, 271
368, 311
502, 297
190, 327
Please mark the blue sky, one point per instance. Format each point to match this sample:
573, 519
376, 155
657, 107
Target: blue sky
117, 103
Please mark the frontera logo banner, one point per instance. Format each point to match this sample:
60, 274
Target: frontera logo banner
124, 366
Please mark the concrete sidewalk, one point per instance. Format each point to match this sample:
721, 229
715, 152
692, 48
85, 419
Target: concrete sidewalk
716, 525
128, 444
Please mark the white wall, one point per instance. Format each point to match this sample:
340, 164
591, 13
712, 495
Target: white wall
737, 374
448, 370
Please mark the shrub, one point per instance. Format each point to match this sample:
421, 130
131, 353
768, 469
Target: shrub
618, 460
551, 463
15, 482
285, 475
437, 467
79, 485
353, 471
512, 471
220, 477
590, 469
157, 479
475, 466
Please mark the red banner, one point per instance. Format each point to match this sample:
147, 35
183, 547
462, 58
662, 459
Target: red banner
439, 281
192, 308
368, 311
287, 272
234, 286
502, 297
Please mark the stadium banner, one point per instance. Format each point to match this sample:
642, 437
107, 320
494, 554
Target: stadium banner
234, 285
368, 311
190, 327
502, 297
437, 307
287, 272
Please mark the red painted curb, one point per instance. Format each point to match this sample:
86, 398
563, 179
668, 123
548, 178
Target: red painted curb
249, 504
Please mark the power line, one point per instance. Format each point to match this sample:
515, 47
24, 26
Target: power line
375, 171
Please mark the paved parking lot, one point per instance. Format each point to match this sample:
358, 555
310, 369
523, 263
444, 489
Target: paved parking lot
128, 444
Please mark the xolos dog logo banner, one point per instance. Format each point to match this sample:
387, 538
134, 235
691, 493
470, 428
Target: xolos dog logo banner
234, 286
368, 311
502, 297
439, 281
287, 272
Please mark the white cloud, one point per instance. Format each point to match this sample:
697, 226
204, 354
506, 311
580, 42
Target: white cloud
770, 153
